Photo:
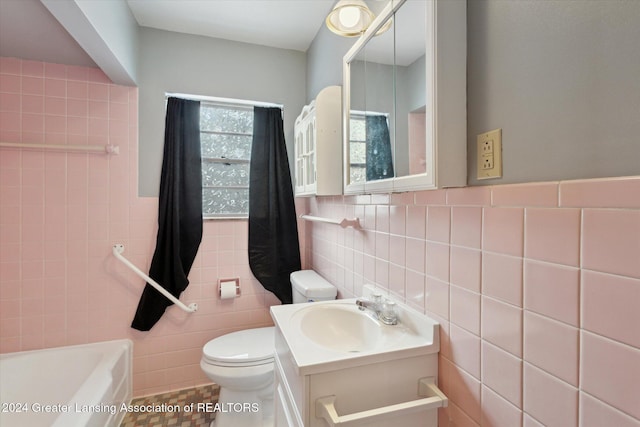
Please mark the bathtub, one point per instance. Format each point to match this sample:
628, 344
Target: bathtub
81, 385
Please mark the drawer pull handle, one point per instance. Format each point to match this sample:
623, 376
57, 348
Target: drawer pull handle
433, 398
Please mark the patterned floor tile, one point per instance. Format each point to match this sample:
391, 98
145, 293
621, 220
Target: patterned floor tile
168, 409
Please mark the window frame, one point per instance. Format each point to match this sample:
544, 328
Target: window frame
235, 103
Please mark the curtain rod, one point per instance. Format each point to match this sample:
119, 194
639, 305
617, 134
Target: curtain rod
368, 113
226, 100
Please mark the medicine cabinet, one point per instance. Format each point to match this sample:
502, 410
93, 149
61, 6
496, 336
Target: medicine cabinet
404, 100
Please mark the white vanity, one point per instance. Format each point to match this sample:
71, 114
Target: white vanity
337, 365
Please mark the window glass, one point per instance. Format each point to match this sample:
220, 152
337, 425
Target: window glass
357, 148
226, 133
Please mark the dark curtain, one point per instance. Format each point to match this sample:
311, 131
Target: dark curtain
274, 251
379, 158
179, 211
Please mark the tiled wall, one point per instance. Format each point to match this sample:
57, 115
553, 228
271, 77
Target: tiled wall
536, 288
60, 214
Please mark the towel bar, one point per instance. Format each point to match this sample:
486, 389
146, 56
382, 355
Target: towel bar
344, 223
99, 149
434, 398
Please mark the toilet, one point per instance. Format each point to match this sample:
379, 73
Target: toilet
241, 363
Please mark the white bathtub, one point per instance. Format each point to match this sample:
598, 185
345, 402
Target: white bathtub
82, 385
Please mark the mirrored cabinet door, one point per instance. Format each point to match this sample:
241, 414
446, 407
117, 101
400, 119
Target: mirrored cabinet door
410, 91
372, 112
405, 100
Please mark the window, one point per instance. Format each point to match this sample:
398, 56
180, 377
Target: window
357, 148
226, 133
358, 144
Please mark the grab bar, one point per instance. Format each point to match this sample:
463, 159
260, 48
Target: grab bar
100, 149
434, 398
355, 223
117, 252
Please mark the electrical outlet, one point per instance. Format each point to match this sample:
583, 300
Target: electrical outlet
487, 161
489, 154
487, 146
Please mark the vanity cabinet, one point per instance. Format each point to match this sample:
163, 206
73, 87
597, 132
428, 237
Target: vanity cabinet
318, 145
380, 394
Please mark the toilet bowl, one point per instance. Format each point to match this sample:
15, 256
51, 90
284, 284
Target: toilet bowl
241, 363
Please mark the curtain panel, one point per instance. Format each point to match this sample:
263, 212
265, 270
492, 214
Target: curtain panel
179, 211
379, 156
274, 251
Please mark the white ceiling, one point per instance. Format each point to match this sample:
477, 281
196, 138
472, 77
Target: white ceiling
287, 24
29, 31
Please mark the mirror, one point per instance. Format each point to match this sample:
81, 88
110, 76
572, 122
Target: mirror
410, 87
386, 100
371, 117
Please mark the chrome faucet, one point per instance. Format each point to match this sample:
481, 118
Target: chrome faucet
384, 311
364, 303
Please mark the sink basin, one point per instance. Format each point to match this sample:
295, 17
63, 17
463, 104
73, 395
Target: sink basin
340, 327
330, 335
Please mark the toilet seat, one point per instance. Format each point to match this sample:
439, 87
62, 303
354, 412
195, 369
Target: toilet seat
250, 347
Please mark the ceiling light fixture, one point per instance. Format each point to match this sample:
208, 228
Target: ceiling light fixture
350, 18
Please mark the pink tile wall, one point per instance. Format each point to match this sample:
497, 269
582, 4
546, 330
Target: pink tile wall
536, 288
60, 214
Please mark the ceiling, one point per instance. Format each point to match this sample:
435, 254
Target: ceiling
287, 24
29, 31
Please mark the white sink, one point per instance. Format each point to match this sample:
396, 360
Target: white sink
340, 327
336, 334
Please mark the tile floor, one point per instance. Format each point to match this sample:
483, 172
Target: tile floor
177, 399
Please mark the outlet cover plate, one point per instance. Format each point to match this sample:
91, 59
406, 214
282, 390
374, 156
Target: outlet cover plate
489, 154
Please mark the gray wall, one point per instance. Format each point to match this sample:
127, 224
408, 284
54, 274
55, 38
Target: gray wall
118, 27
106, 31
181, 63
324, 61
562, 80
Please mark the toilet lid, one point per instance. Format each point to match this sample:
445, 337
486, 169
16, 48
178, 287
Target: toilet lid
243, 347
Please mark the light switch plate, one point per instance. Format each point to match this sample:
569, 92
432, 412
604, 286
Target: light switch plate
490, 154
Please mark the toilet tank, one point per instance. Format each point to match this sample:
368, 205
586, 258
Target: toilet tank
307, 286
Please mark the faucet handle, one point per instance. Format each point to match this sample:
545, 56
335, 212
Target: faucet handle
388, 313
376, 298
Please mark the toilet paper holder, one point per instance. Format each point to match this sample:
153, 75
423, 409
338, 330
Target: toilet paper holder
226, 284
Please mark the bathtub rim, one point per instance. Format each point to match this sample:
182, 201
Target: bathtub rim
121, 349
